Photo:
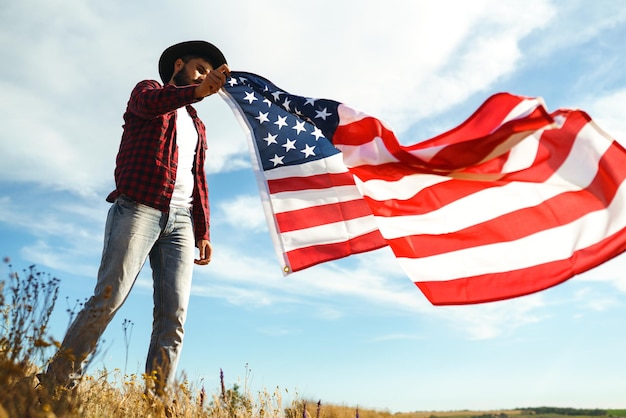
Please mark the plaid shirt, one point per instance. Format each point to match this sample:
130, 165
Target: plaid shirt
147, 159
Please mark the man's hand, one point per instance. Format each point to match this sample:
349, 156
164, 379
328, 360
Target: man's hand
206, 249
213, 81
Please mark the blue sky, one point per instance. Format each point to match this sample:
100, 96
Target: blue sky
356, 331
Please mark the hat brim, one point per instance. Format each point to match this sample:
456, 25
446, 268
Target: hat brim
200, 48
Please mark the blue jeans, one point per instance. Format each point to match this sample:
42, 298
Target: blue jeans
134, 232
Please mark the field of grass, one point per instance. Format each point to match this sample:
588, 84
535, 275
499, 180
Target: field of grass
27, 300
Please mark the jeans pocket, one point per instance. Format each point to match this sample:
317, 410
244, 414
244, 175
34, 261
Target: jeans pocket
125, 203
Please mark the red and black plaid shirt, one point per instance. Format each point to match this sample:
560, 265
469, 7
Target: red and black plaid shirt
147, 159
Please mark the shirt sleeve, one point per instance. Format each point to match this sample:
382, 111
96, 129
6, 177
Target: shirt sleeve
149, 99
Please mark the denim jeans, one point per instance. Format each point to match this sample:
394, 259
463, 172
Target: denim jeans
134, 232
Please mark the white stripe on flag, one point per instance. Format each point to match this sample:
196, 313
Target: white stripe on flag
472, 210
328, 233
523, 253
329, 165
302, 199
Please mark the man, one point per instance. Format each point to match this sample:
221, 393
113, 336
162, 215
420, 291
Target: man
159, 211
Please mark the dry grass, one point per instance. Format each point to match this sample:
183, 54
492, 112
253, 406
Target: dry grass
27, 299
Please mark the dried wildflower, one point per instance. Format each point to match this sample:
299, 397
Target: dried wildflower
202, 396
223, 386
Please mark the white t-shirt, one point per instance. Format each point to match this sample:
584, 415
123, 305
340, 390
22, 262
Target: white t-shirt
187, 141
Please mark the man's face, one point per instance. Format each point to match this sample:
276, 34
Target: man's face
193, 72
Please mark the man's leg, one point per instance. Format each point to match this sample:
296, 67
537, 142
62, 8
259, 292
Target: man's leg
172, 266
130, 232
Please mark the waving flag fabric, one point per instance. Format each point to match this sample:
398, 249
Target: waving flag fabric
512, 201
314, 210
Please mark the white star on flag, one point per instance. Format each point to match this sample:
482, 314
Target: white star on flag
308, 151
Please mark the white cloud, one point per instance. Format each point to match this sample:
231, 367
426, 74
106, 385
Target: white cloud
576, 22
590, 298
67, 238
612, 271
495, 319
62, 259
398, 61
51, 144
243, 212
393, 60
610, 114
371, 281
488, 49
261, 275
54, 219
227, 144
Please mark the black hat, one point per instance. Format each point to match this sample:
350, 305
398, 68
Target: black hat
201, 48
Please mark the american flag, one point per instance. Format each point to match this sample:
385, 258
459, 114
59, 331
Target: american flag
314, 210
512, 201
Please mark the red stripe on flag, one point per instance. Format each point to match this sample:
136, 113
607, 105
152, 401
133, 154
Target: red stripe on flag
427, 199
464, 146
313, 182
302, 258
474, 158
322, 215
509, 227
498, 286
558, 210
476, 148
489, 115
553, 149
